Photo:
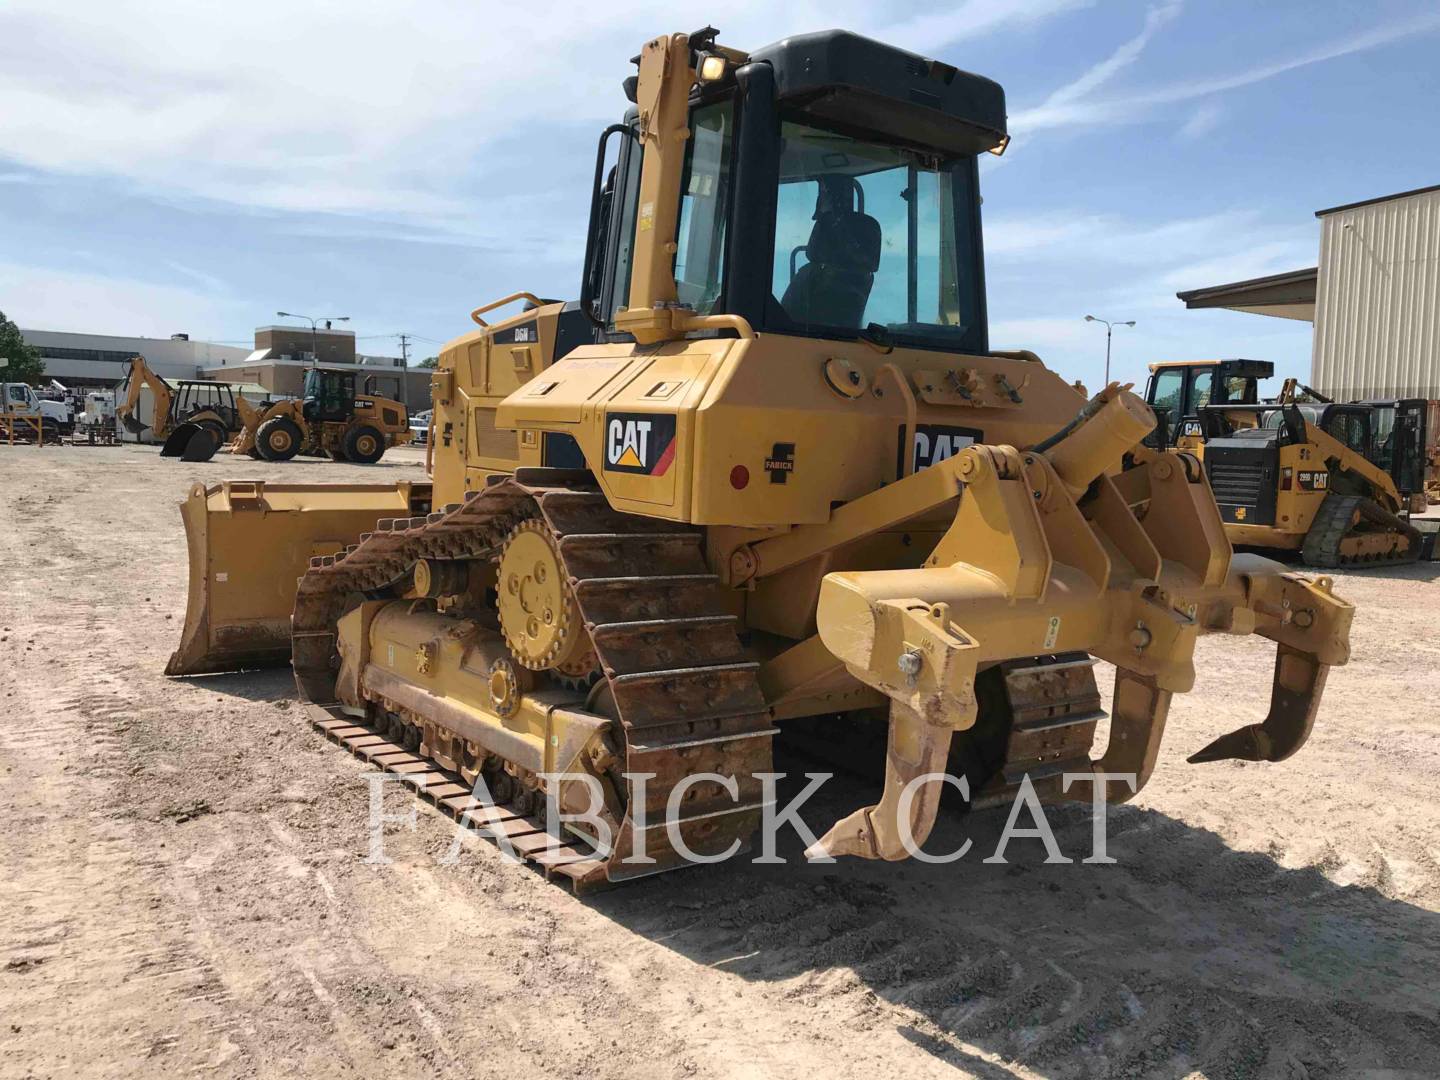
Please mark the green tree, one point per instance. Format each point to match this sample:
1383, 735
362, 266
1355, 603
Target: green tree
429, 361
25, 363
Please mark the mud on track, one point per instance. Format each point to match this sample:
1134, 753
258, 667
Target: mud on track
185, 890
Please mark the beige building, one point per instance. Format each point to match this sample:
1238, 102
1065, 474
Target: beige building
1374, 297
1377, 305
282, 354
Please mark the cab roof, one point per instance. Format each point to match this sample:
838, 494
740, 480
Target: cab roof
1260, 369
859, 82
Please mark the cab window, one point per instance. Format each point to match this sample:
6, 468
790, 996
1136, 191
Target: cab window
1236, 390
1201, 382
628, 196
1165, 393
1383, 451
873, 237
704, 208
1349, 428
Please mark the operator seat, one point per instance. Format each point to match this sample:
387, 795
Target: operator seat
833, 287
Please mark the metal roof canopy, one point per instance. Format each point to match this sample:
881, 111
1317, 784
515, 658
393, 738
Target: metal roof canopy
1290, 295
1379, 199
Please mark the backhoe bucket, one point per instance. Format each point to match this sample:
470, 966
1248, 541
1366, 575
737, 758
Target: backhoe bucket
191, 442
249, 543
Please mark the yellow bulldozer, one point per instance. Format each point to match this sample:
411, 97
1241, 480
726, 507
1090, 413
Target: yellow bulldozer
766, 474
330, 420
191, 419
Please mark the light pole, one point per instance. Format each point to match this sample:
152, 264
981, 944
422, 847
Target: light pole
314, 342
1109, 329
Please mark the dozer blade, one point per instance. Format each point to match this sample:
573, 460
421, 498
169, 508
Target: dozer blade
249, 542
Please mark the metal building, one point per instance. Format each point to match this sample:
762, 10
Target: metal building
1374, 298
1377, 303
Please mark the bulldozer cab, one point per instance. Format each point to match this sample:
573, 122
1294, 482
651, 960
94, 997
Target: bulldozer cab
329, 395
815, 199
1178, 391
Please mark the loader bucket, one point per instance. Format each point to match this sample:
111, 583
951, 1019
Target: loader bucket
249, 542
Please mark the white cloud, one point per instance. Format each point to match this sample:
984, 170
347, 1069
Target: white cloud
1202, 121
380, 110
929, 33
1065, 101
39, 298
1061, 239
1068, 110
1156, 18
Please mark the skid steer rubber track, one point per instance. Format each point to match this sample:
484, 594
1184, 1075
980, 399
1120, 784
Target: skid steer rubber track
1345, 522
674, 672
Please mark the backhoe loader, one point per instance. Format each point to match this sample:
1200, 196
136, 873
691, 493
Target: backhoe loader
330, 420
191, 419
766, 471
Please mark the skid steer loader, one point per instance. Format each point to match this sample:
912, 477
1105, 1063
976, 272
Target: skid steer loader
1330, 481
767, 470
330, 420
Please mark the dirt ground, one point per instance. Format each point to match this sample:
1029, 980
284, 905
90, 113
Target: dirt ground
183, 884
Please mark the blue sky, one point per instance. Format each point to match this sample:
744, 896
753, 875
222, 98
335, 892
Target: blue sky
171, 166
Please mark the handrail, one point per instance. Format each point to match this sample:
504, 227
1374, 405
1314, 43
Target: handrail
522, 295
723, 321
587, 300
430, 444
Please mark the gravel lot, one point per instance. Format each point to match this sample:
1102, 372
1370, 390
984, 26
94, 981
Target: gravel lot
185, 886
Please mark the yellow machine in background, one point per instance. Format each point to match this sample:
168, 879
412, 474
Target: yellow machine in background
192, 419
1178, 390
330, 420
767, 471
1330, 481
1334, 483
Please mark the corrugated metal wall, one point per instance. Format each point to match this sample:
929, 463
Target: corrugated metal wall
1377, 311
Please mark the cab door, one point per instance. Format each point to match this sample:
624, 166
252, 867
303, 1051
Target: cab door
1407, 467
1166, 397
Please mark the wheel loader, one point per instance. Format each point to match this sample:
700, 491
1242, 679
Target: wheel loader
191, 419
766, 473
330, 420
1178, 389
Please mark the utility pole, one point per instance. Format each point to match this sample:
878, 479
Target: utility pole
405, 370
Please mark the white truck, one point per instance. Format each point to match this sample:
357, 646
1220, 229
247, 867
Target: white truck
20, 400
